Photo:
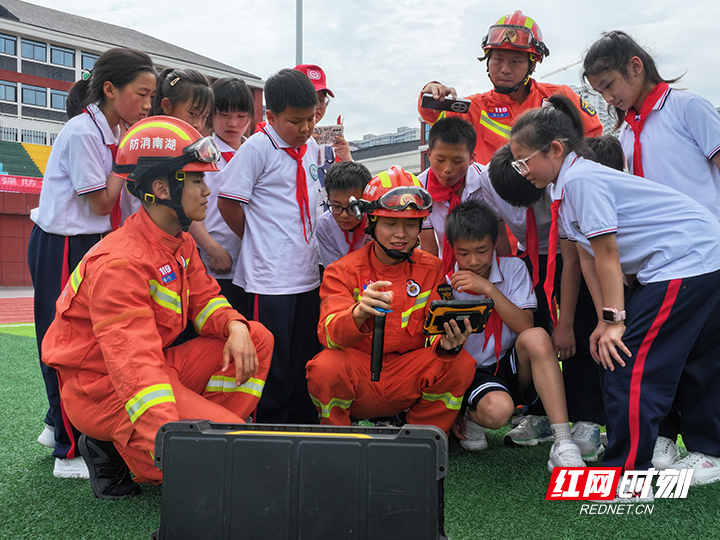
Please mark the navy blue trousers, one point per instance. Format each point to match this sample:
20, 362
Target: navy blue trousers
672, 331
47, 253
293, 321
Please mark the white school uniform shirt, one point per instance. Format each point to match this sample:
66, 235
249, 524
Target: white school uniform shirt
661, 233
515, 217
331, 239
440, 209
510, 276
79, 163
214, 222
275, 259
680, 136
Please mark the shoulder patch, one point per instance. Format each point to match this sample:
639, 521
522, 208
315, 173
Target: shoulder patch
585, 106
445, 291
413, 289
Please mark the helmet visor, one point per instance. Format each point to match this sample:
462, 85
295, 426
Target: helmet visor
516, 36
204, 150
402, 198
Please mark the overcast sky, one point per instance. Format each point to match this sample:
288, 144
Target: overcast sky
379, 53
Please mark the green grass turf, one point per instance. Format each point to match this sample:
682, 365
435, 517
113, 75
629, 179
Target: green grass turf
23, 329
498, 493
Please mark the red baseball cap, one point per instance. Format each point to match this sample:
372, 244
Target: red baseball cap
316, 75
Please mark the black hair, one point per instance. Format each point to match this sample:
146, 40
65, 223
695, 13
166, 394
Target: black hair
347, 176
181, 86
453, 131
557, 120
120, 66
233, 95
289, 88
471, 220
514, 188
608, 151
613, 51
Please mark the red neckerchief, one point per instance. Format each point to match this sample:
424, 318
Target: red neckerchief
494, 324
301, 190
549, 285
357, 233
532, 248
442, 193
227, 156
116, 213
637, 122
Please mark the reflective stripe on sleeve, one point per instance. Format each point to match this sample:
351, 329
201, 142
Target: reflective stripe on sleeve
76, 278
451, 402
331, 344
165, 297
150, 396
420, 302
208, 310
219, 383
334, 402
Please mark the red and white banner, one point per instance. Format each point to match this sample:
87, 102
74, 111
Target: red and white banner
20, 184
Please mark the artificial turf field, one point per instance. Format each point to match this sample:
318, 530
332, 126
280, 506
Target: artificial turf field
498, 493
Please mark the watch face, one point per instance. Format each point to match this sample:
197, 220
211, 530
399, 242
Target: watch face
608, 316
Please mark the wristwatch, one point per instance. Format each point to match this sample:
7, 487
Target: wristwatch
612, 315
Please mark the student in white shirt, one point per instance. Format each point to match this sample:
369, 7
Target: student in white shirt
268, 199
660, 338
218, 245
339, 232
78, 204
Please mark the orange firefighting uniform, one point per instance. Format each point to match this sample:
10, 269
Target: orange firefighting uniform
124, 304
493, 115
413, 377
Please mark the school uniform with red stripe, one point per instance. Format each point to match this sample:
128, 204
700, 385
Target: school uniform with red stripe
672, 245
334, 242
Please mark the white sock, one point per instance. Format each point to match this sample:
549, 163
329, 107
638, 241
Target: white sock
561, 432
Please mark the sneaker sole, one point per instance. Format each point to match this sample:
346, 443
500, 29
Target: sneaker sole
595, 455
473, 447
509, 441
85, 453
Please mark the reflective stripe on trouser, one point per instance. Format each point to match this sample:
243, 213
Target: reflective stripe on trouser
336, 377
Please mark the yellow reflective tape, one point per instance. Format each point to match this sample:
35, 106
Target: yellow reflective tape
165, 297
356, 294
303, 434
420, 302
442, 115
496, 127
330, 342
415, 180
219, 383
209, 309
450, 401
334, 402
76, 278
166, 125
150, 396
529, 23
385, 179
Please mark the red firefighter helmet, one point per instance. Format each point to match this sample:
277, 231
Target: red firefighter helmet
397, 193
516, 32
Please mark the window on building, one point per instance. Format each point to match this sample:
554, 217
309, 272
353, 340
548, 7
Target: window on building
34, 50
33, 137
53, 137
58, 99
88, 60
34, 95
7, 44
62, 57
8, 91
8, 134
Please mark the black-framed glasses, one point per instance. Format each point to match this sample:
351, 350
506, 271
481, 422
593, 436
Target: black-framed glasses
336, 210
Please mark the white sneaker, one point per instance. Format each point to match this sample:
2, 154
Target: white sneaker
665, 453
475, 439
71, 468
565, 453
587, 437
47, 437
706, 469
529, 432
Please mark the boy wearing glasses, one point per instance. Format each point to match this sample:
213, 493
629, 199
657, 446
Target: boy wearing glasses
338, 231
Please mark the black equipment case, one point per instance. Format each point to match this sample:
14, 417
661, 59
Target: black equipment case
299, 482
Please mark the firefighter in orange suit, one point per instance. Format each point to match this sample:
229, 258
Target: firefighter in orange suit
127, 301
513, 47
388, 274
